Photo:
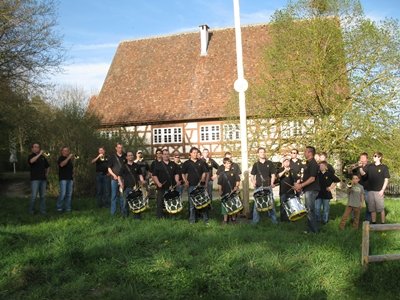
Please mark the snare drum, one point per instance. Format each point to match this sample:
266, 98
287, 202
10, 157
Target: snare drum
263, 198
232, 203
173, 202
199, 197
294, 208
137, 202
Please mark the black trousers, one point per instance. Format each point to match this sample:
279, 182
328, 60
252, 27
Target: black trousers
160, 203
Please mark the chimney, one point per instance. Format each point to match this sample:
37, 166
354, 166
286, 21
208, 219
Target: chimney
203, 39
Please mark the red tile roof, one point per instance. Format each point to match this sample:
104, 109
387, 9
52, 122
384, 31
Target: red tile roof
164, 79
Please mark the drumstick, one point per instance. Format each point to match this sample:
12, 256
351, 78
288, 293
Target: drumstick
292, 186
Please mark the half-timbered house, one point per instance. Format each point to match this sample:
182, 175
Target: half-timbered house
173, 91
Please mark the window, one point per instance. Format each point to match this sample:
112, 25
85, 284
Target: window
231, 132
209, 133
109, 134
291, 129
167, 135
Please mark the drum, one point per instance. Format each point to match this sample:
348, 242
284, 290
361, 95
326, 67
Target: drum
263, 198
294, 208
232, 203
200, 197
137, 201
173, 202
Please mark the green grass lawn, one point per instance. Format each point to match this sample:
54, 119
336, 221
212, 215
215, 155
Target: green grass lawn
89, 254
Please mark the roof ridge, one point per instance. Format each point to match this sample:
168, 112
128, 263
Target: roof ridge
167, 35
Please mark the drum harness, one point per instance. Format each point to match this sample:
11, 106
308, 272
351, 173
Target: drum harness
262, 177
171, 188
133, 177
229, 183
231, 193
197, 173
135, 187
292, 186
199, 184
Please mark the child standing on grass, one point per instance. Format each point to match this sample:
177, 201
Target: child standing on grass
355, 193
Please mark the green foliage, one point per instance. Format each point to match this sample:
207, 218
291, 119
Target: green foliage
330, 78
64, 122
88, 254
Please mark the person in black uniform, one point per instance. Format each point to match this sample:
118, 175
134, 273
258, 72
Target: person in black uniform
130, 177
115, 163
211, 164
263, 174
286, 187
103, 180
327, 182
178, 162
194, 174
39, 171
144, 167
165, 177
323, 158
228, 183
157, 159
234, 167
65, 176
378, 179
295, 164
310, 187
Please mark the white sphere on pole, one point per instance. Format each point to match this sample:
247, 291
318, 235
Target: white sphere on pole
241, 85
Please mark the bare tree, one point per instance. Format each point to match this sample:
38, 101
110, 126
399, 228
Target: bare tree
30, 47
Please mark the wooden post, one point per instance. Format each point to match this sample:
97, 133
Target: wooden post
384, 227
365, 243
384, 257
246, 196
365, 257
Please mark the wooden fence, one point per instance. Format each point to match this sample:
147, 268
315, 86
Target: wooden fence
393, 189
365, 257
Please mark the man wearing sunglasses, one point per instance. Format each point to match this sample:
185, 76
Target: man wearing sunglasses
378, 179
295, 164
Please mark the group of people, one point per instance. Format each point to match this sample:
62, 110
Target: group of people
314, 179
119, 173
39, 170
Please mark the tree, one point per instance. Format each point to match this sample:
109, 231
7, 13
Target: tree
330, 79
30, 47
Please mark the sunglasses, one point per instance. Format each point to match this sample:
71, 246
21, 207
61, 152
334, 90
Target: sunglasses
376, 155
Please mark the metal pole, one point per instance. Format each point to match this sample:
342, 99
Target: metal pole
241, 86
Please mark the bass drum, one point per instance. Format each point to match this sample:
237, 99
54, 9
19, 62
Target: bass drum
199, 197
173, 202
263, 198
294, 208
137, 202
232, 203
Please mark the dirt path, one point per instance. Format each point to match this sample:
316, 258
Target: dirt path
16, 189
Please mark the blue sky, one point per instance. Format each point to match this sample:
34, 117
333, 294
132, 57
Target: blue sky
92, 29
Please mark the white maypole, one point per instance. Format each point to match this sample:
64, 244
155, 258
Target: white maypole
241, 86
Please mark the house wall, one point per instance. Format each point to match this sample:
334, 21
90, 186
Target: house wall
212, 135
217, 136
